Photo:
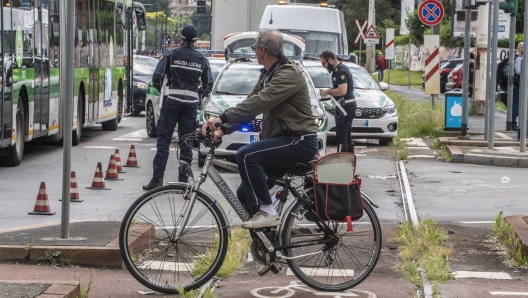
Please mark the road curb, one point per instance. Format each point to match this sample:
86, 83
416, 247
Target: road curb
457, 156
102, 256
521, 230
68, 289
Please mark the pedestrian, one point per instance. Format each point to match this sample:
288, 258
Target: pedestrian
289, 131
343, 91
381, 65
516, 78
186, 70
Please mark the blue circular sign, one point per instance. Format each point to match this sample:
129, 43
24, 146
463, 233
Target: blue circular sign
431, 12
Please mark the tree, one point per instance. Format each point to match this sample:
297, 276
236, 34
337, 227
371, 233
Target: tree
158, 5
202, 22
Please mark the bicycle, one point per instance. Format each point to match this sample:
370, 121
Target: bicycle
165, 246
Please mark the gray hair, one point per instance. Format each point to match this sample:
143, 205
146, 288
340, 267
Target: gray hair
272, 41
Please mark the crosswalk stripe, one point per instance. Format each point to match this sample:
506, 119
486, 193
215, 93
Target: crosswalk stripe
509, 293
487, 275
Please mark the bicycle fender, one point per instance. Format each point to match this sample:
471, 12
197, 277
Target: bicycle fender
369, 200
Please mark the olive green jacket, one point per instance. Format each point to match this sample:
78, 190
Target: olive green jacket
284, 103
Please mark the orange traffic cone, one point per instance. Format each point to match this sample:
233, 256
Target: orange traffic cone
119, 167
111, 172
74, 189
132, 161
42, 206
98, 181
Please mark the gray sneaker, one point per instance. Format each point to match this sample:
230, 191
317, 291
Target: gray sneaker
260, 220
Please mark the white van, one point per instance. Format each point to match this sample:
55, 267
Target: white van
241, 42
322, 28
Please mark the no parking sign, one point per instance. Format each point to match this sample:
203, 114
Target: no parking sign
431, 12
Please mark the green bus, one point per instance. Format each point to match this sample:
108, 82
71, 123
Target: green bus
30, 106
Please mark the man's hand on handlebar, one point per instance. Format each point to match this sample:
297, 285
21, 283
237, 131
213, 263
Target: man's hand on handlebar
212, 125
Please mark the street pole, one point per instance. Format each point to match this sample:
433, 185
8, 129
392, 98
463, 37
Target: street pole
524, 85
511, 63
488, 74
465, 70
67, 35
493, 86
410, 46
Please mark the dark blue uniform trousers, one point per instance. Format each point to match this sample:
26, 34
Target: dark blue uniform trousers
173, 112
270, 157
344, 125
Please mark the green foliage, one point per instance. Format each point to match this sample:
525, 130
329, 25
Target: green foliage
157, 5
506, 234
202, 22
49, 258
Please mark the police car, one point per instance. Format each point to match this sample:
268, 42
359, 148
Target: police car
152, 100
376, 116
234, 83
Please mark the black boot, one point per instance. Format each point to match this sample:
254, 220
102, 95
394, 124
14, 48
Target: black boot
351, 148
154, 182
342, 148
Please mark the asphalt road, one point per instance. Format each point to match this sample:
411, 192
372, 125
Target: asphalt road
462, 197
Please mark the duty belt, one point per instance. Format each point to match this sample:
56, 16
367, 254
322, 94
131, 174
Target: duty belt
169, 92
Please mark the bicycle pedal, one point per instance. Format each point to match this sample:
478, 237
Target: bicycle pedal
264, 269
276, 267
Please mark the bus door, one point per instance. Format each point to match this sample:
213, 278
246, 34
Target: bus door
40, 38
2, 76
93, 103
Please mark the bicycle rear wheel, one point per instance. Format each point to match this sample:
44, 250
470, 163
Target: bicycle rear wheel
160, 263
337, 267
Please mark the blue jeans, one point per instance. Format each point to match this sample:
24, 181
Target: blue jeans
515, 106
270, 157
173, 112
380, 75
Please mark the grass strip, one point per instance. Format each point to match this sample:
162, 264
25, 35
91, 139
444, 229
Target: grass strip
506, 235
423, 248
237, 249
401, 77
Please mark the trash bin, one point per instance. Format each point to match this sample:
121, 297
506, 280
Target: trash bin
453, 110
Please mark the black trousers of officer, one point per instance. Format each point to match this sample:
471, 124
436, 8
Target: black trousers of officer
344, 127
172, 112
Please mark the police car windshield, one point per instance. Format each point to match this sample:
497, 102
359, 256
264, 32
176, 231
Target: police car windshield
236, 81
145, 66
322, 79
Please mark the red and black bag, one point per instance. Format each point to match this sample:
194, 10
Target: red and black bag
336, 190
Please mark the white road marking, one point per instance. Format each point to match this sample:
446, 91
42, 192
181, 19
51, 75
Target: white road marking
324, 272
418, 148
421, 156
509, 293
142, 133
476, 222
99, 147
154, 149
361, 154
414, 142
127, 139
487, 275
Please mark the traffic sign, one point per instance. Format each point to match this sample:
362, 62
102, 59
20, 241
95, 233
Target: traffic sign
361, 28
431, 12
372, 35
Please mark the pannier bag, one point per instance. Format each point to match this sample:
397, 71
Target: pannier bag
336, 190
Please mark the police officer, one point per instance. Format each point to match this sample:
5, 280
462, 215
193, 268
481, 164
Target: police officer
186, 70
343, 91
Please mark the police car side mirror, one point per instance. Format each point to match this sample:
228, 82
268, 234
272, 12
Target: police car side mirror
383, 86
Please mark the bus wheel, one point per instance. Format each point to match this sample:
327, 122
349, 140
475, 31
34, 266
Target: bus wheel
16, 152
112, 124
76, 137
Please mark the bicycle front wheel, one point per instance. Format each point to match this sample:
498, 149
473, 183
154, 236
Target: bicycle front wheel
335, 267
152, 254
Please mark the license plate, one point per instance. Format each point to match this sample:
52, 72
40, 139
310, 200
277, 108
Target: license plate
253, 138
359, 123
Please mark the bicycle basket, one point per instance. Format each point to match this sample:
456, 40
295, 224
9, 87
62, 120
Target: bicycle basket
336, 191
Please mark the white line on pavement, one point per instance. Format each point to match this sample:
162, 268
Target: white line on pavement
475, 222
509, 293
99, 147
487, 275
127, 139
324, 272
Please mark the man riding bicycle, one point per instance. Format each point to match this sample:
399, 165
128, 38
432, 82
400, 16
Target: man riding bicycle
289, 131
